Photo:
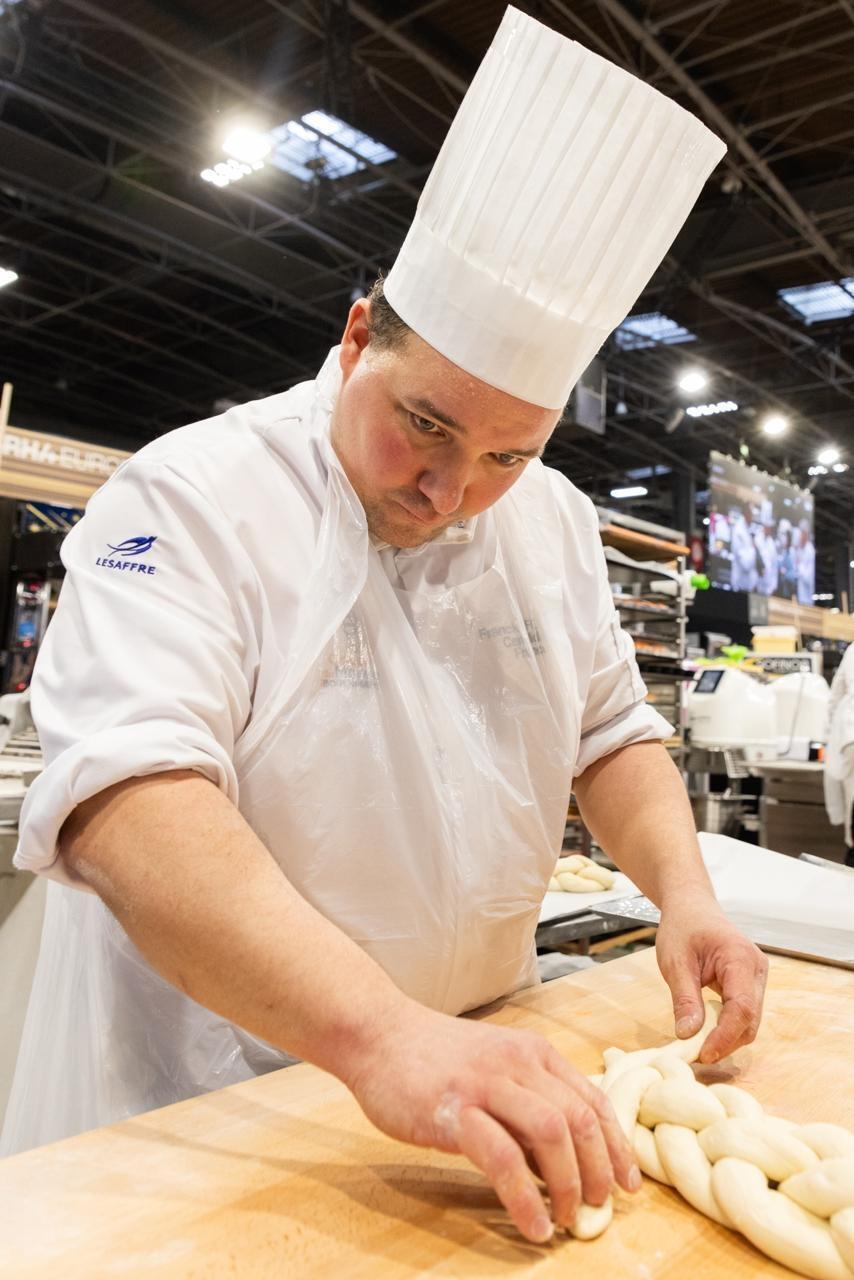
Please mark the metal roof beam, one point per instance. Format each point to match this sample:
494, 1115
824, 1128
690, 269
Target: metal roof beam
180, 164
681, 15
133, 284
408, 46
780, 56
748, 42
799, 114
207, 70
783, 200
129, 210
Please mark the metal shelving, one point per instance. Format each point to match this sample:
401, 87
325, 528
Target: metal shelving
646, 567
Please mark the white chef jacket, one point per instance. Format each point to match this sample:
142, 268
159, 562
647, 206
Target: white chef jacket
743, 577
159, 661
769, 564
839, 755
805, 561
400, 727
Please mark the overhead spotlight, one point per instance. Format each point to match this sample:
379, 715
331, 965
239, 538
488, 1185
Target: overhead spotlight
693, 380
708, 410
631, 491
7, 277
839, 467
621, 408
828, 456
248, 144
775, 424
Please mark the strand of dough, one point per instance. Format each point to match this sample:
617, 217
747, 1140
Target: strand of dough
577, 874
788, 1188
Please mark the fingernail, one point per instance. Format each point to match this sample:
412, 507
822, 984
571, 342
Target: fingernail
635, 1179
685, 1026
543, 1229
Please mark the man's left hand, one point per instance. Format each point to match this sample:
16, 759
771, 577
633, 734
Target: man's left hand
697, 947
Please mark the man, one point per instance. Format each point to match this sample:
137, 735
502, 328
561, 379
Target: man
766, 549
838, 776
805, 560
743, 576
313, 754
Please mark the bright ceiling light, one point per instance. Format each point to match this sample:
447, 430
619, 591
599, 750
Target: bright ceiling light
775, 424
247, 144
693, 380
7, 277
839, 467
828, 456
707, 410
632, 491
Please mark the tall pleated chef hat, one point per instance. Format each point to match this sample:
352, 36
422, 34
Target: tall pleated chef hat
560, 187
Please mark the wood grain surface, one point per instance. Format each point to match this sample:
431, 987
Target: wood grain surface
283, 1177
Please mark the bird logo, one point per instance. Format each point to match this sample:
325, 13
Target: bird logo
134, 546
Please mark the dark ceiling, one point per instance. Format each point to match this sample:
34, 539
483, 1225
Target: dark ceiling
147, 296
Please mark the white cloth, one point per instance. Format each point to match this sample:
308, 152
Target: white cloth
399, 728
839, 752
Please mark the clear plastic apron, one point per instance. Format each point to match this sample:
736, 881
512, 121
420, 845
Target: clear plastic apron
410, 777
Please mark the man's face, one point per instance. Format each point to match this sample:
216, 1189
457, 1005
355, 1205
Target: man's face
423, 443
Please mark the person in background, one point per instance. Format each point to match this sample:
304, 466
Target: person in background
744, 576
839, 756
788, 580
805, 560
766, 550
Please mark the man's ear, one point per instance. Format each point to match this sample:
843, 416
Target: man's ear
356, 336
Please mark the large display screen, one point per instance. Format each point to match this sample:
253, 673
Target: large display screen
760, 532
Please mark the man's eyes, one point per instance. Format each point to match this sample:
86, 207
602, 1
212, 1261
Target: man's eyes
428, 428
424, 424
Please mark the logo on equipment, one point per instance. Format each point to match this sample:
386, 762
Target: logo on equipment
128, 549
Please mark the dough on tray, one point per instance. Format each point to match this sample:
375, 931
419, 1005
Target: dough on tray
577, 874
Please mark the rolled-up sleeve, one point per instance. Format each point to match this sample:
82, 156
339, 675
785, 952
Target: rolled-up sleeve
149, 662
615, 714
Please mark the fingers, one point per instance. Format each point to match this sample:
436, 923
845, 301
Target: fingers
490, 1147
620, 1154
742, 989
561, 1142
686, 990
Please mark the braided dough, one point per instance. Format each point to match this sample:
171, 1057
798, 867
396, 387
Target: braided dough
577, 874
788, 1188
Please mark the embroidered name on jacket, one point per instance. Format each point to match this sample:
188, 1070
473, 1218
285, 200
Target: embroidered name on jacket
348, 660
512, 638
131, 547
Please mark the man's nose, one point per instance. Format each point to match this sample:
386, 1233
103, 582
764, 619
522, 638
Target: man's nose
444, 483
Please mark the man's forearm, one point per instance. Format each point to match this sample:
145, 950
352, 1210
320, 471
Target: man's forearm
636, 807
202, 898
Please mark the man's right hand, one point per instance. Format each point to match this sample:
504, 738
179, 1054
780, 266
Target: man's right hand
508, 1101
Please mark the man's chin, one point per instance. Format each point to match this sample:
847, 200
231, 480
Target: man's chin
401, 531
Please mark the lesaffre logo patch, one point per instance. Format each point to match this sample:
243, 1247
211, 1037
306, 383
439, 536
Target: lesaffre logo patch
127, 550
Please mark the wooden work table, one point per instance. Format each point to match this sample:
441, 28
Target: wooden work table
283, 1177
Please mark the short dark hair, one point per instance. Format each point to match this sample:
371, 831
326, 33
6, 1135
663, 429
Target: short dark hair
387, 331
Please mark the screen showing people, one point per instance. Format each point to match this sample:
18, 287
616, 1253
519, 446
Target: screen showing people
760, 532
